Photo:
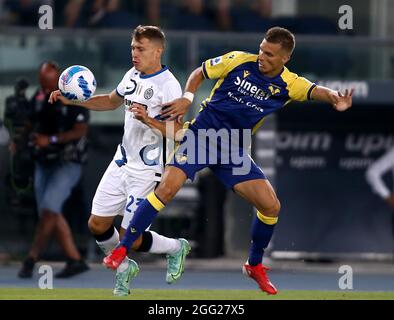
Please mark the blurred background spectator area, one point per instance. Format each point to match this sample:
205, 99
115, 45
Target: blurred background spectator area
302, 16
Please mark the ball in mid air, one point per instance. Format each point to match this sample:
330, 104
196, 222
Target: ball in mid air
77, 83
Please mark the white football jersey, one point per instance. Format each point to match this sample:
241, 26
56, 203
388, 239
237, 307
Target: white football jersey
141, 148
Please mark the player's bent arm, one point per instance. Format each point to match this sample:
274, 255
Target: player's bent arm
179, 107
103, 102
168, 129
377, 170
195, 80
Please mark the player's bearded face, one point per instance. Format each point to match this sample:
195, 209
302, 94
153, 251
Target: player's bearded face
145, 55
272, 58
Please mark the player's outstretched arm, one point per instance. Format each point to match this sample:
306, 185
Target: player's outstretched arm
103, 102
339, 101
179, 107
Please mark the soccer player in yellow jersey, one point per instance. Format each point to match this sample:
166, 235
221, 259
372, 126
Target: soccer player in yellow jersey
249, 87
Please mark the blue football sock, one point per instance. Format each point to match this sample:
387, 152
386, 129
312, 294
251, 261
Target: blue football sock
142, 219
262, 230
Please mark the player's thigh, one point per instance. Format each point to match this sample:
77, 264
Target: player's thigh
138, 186
110, 197
261, 194
172, 180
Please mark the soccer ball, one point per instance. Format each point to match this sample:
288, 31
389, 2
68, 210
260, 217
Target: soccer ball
77, 83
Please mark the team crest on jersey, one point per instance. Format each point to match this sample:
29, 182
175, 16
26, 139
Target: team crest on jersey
148, 93
216, 61
274, 89
181, 158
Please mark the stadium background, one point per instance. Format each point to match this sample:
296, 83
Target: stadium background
316, 158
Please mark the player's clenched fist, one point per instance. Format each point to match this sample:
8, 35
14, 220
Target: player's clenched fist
139, 111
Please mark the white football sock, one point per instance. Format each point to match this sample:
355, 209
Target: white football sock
161, 244
124, 265
108, 245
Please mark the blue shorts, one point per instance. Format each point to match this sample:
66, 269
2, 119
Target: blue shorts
232, 165
53, 184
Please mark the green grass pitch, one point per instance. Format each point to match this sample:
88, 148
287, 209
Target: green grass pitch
142, 294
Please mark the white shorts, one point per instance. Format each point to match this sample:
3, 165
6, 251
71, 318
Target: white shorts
120, 192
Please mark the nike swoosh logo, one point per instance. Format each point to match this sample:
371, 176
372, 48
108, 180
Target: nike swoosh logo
180, 269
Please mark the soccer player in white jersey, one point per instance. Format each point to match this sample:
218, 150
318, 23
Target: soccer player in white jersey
137, 165
375, 174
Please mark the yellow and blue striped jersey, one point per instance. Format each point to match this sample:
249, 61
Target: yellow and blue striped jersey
243, 96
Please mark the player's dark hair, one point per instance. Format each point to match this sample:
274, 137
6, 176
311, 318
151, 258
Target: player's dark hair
150, 32
282, 36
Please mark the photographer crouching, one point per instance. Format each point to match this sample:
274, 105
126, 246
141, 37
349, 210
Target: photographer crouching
58, 138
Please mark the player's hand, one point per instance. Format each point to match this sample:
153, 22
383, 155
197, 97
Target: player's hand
175, 109
57, 95
140, 112
41, 140
343, 101
390, 201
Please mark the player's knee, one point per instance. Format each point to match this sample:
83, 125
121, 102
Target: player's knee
96, 226
277, 207
165, 192
273, 209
